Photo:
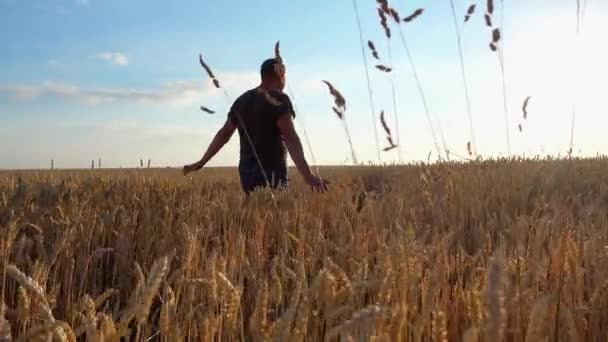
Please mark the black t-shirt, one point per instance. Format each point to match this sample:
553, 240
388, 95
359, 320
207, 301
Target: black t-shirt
258, 111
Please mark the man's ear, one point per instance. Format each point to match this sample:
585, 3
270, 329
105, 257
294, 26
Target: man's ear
279, 69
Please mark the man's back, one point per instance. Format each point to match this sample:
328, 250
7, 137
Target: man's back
255, 114
262, 117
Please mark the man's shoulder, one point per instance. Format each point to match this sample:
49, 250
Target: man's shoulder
275, 98
279, 95
246, 94
284, 102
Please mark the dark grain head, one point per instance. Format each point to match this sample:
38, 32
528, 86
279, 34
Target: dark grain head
414, 15
207, 110
383, 68
496, 35
488, 20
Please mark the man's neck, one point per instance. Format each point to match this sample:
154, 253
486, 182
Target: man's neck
268, 87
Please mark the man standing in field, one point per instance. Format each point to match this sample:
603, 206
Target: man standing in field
264, 119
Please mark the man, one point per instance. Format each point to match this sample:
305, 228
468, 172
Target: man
264, 119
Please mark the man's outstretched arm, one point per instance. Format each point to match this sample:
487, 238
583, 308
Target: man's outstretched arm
294, 146
220, 139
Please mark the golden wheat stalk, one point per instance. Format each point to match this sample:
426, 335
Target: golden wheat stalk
395, 15
389, 136
384, 23
31, 285
142, 299
494, 298
167, 312
359, 320
6, 333
339, 100
538, 322
340, 109
367, 78
40, 332
384, 6
471, 147
205, 66
427, 112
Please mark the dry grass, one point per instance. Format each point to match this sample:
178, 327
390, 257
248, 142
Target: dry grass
499, 250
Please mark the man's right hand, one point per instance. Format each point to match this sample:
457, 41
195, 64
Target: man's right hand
317, 183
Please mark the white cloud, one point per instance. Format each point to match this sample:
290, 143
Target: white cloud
172, 93
115, 58
21, 92
143, 129
177, 93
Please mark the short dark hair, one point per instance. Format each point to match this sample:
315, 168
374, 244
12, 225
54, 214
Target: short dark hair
268, 68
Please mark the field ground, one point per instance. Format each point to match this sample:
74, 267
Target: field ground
496, 250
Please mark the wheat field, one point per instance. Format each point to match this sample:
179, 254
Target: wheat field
511, 250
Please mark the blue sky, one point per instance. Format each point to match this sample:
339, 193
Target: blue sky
83, 79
